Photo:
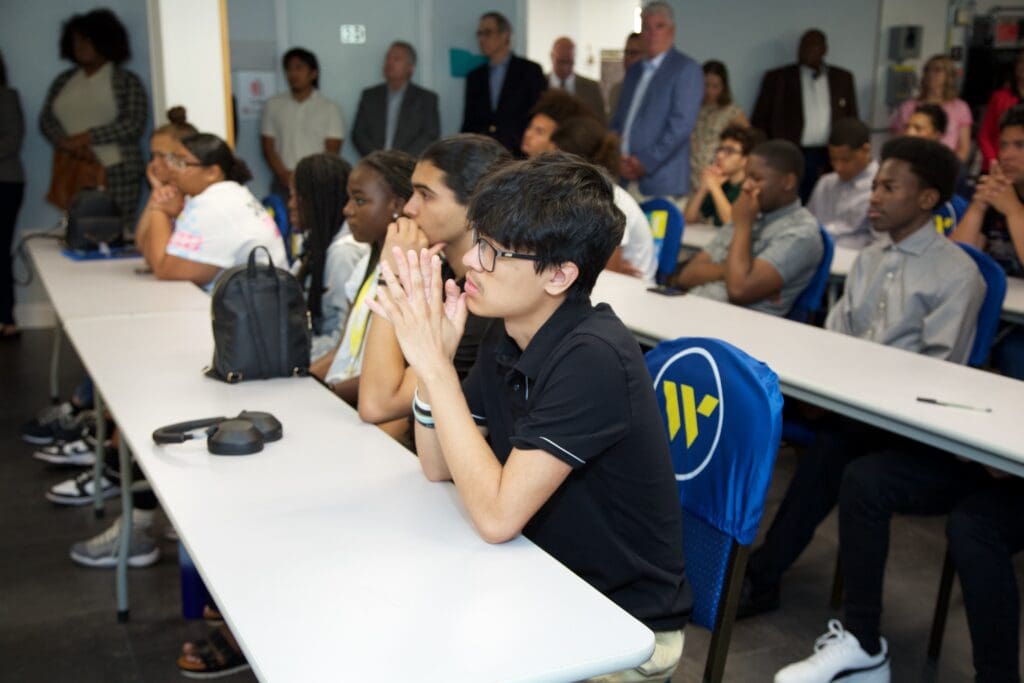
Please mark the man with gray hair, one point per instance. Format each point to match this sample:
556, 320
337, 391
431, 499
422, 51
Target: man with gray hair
563, 62
661, 96
397, 114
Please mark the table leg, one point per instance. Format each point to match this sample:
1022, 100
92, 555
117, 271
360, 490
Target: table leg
55, 364
101, 452
125, 459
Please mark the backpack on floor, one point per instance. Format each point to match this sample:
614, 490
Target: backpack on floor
261, 328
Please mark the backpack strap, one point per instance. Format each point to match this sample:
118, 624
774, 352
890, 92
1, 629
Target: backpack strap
250, 308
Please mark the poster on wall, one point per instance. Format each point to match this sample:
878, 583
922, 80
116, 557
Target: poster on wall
252, 89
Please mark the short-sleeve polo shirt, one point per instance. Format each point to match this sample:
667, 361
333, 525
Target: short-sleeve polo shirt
580, 391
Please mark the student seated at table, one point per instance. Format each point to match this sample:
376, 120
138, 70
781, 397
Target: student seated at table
204, 220
915, 291
722, 180
555, 110
766, 256
377, 189
985, 530
577, 460
316, 203
445, 178
840, 198
995, 222
587, 138
927, 121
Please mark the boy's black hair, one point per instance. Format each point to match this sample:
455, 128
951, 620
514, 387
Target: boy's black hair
934, 164
849, 132
307, 58
747, 137
936, 114
464, 159
1014, 116
557, 207
783, 156
103, 29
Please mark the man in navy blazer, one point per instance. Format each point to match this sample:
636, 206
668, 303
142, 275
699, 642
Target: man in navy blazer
500, 94
661, 97
397, 114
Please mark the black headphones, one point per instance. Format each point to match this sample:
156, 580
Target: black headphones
240, 435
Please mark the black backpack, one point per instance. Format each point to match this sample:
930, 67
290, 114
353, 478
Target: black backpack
261, 328
92, 219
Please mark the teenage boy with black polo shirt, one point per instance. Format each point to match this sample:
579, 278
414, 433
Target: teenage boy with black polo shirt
578, 460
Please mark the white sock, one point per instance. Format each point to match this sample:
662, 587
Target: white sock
142, 519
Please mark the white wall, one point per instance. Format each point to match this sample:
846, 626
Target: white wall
594, 25
752, 37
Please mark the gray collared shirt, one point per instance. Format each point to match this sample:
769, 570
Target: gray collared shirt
922, 294
497, 80
788, 239
395, 98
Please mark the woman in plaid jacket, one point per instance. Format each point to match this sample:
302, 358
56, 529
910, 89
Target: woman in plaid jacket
97, 109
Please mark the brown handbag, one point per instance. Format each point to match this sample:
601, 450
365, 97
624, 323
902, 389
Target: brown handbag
72, 173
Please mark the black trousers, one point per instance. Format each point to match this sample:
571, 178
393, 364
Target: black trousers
143, 500
985, 530
11, 195
874, 488
816, 164
813, 492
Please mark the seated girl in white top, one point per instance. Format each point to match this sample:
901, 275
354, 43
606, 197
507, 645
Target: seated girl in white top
316, 204
204, 220
587, 138
378, 188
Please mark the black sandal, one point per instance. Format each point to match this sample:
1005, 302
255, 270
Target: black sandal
218, 658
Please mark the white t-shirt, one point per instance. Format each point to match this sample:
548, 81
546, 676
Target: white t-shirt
344, 256
637, 241
222, 224
300, 128
348, 361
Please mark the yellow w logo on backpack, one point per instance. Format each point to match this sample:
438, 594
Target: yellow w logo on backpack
686, 415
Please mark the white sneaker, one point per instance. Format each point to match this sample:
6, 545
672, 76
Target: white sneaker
75, 453
838, 656
79, 490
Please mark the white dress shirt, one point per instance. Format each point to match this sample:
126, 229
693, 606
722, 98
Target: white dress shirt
817, 103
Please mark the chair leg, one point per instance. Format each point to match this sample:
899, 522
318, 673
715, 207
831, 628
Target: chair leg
941, 607
726, 616
836, 599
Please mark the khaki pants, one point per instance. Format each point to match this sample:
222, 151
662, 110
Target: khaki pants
668, 649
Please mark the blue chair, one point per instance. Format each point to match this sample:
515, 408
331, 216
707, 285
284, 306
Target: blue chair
810, 299
723, 416
667, 224
278, 210
988, 323
991, 306
947, 215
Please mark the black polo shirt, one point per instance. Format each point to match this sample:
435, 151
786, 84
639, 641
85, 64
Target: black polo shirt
581, 392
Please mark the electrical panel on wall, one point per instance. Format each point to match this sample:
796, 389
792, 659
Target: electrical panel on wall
900, 85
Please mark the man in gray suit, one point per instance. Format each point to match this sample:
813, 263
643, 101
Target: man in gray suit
397, 114
563, 59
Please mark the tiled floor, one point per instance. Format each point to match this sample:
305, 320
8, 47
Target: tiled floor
57, 620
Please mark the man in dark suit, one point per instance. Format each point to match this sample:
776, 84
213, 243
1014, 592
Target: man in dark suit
563, 60
397, 114
661, 97
500, 94
801, 101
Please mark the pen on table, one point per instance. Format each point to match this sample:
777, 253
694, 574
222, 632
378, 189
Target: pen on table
937, 402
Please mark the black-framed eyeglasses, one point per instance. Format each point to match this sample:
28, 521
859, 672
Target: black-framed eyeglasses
489, 254
728, 151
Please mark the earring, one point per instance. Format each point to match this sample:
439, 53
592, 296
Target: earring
394, 216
